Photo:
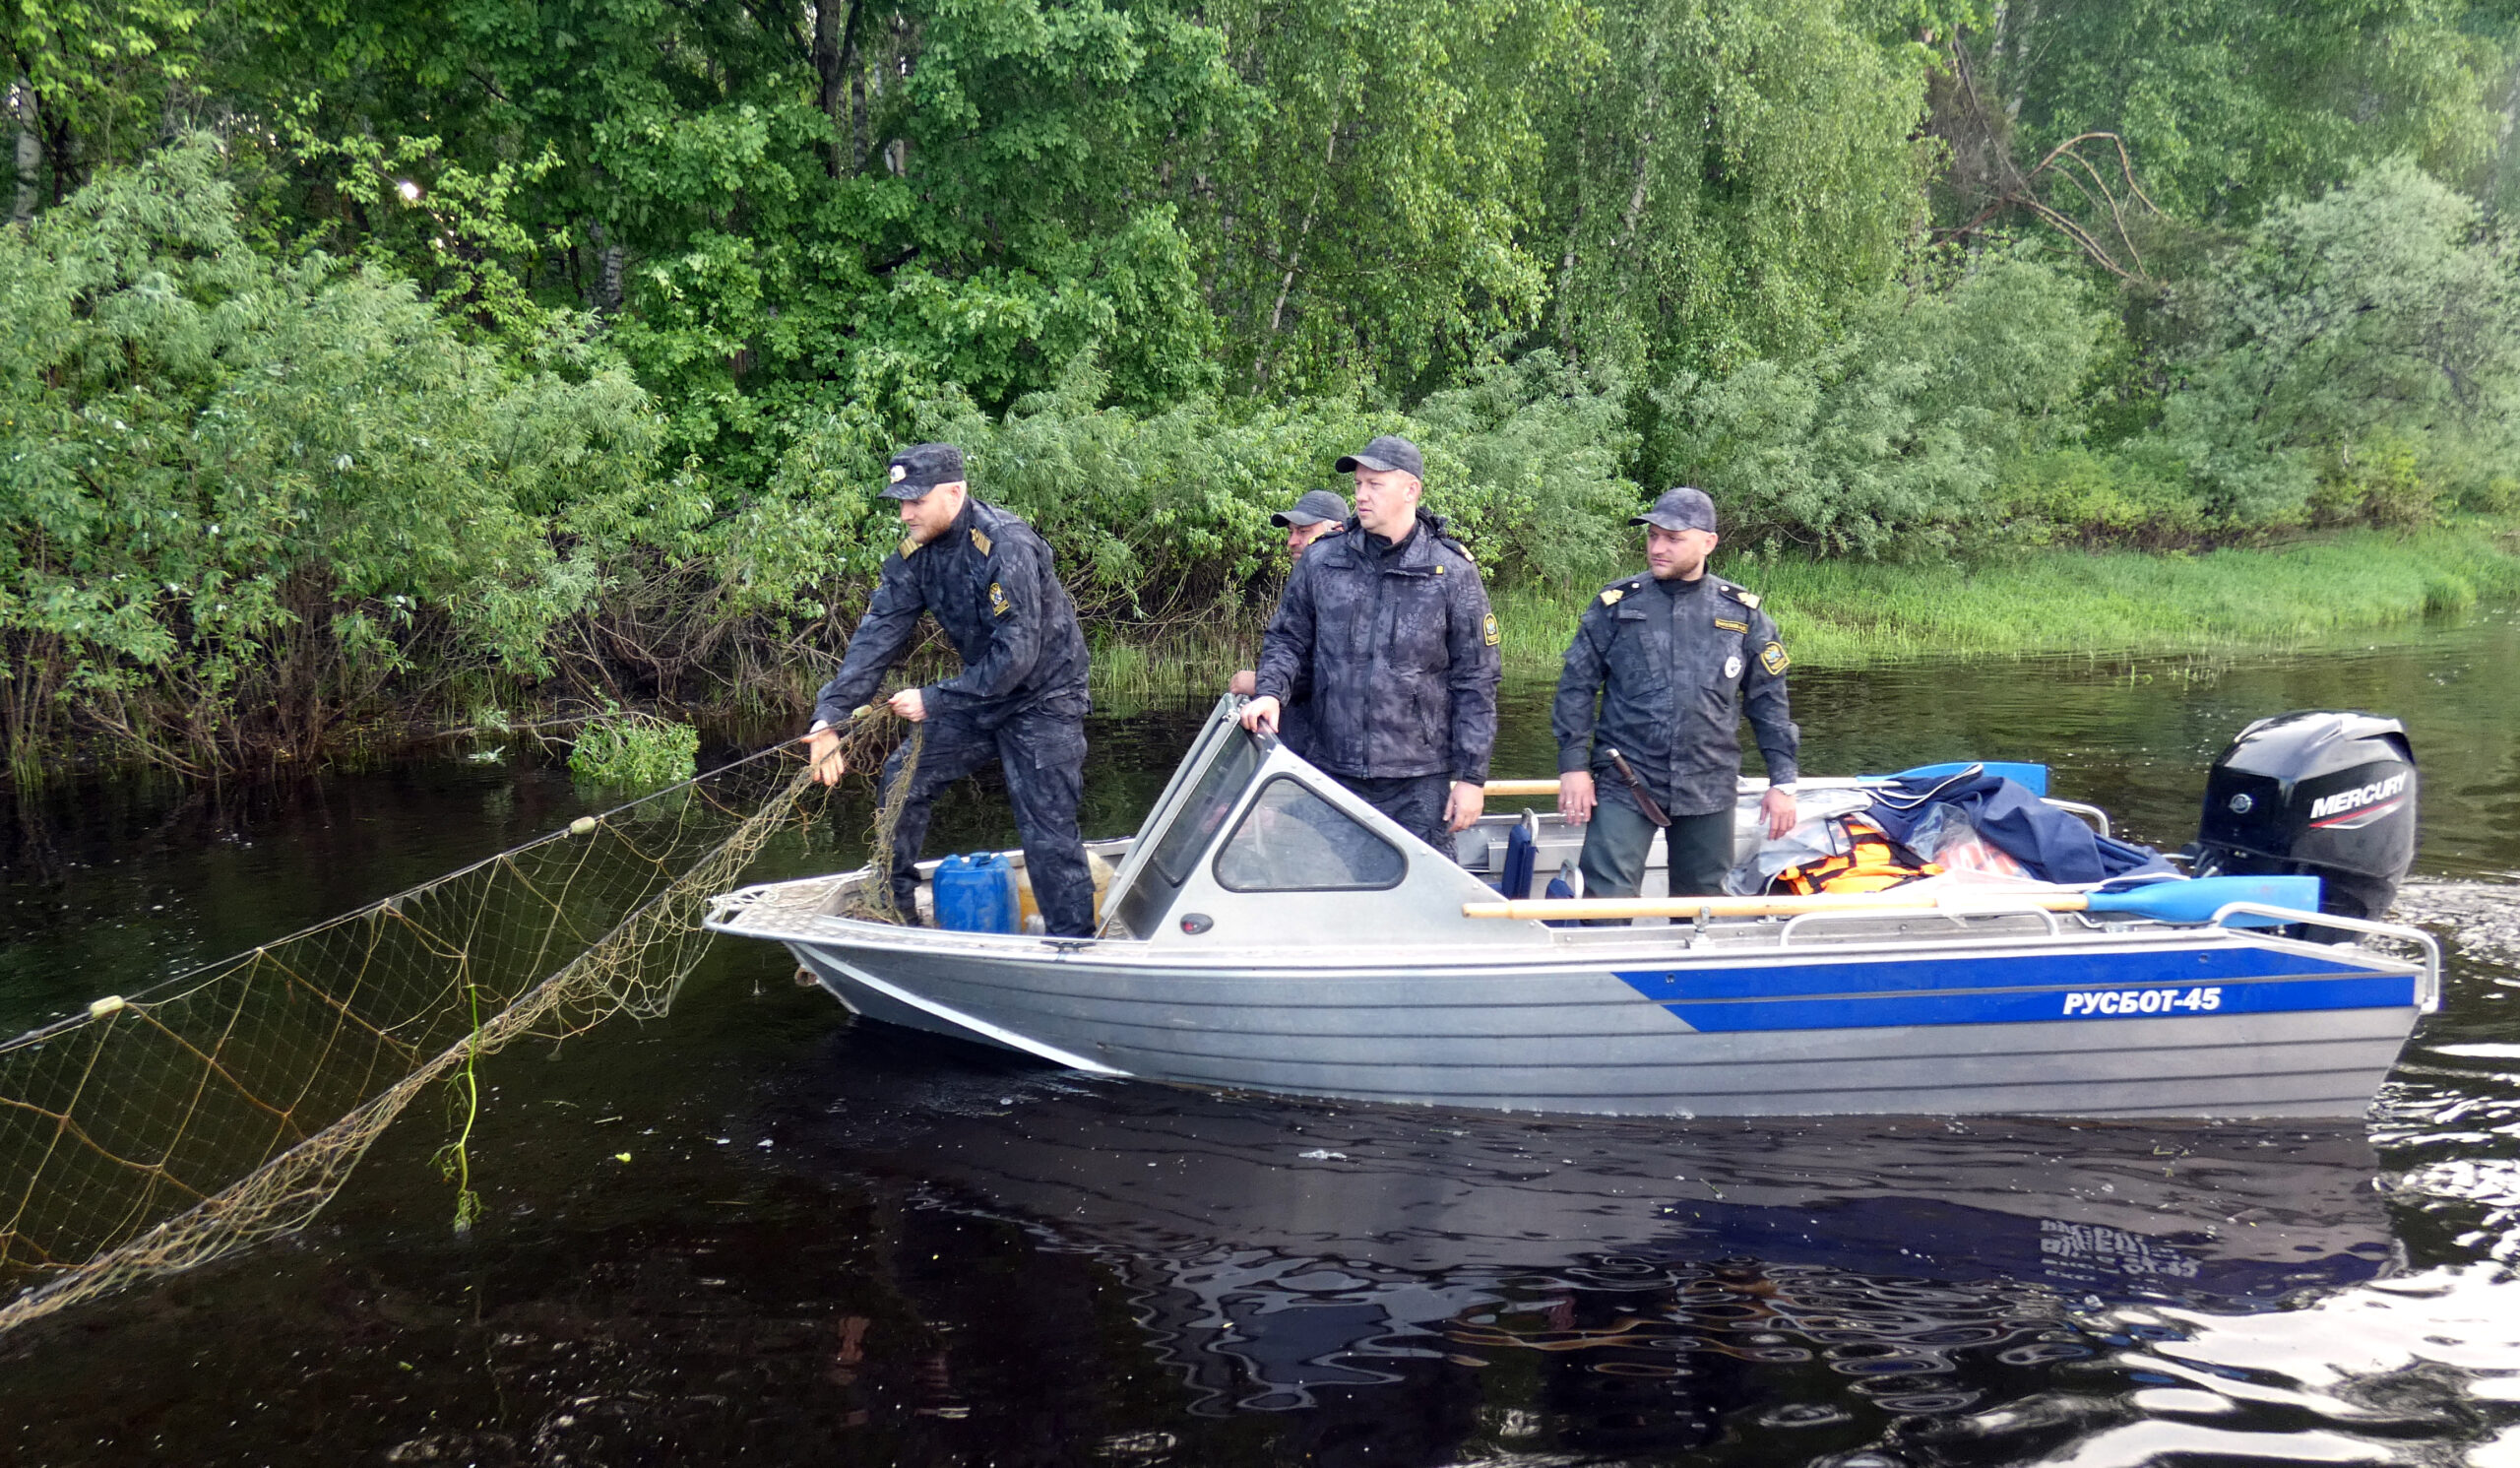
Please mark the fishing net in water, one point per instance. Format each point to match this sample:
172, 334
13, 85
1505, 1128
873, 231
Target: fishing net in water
161, 1129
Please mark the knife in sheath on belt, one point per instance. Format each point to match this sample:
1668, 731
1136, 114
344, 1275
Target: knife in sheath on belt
1653, 813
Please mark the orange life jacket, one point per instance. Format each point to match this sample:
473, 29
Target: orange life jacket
1872, 862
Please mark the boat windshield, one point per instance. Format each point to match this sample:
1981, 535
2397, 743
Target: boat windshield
1292, 839
1192, 828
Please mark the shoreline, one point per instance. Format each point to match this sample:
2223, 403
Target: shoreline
2057, 601
1834, 616
1847, 614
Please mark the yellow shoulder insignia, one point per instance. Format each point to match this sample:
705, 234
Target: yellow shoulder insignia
909, 548
1746, 597
980, 540
1610, 596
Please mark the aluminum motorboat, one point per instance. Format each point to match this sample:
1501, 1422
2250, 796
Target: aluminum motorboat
1265, 928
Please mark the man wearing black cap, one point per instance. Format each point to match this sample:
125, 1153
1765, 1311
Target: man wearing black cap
1318, 513
1390, 625
1020, 699
1669, 661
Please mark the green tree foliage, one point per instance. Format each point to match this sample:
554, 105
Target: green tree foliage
87, 82
1729, 181
1892, 439
569, 340
1368, 226
2380, 321
2229, 105
788, 215
239, 494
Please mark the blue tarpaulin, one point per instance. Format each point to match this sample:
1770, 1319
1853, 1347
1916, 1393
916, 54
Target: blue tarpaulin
2053, 843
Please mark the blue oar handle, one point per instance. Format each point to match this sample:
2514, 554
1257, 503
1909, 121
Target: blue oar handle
2197, 900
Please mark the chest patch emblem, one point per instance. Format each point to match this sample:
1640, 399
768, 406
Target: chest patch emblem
1487, 628
1725, 625
998, 606
1733, 667
1773, 658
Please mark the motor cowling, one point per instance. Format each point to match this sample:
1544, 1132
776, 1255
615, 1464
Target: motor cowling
2332, 794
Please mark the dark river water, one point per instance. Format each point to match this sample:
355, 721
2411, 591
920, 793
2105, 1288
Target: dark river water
749, 1232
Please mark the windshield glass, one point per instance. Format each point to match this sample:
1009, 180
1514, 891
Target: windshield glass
1295, 841
1193, 826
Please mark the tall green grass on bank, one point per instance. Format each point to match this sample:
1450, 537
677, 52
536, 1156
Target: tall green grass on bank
1840, 613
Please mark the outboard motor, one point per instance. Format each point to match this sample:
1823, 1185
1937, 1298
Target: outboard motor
2330, 794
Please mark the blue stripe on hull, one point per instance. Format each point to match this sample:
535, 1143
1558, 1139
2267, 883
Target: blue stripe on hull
2018, 990
2216, 965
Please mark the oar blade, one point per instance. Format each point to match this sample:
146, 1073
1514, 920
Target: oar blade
2199, 899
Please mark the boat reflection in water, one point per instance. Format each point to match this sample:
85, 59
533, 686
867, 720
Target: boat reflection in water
1653, 1274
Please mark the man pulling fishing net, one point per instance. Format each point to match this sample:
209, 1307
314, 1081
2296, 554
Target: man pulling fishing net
1020, 699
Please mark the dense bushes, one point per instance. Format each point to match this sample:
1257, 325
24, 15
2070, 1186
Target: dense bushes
1895, 435
2362, 349
238, 495
1162, 517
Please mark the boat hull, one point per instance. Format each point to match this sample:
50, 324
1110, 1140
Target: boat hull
2292, 1031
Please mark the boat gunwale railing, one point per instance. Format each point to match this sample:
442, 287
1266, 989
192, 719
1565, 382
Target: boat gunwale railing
2428, 993
1958, 916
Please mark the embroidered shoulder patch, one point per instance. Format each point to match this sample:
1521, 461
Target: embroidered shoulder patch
980, 540
1611, 598
1746, 598
998, 606
1730, 625
1773, 658
1487, 629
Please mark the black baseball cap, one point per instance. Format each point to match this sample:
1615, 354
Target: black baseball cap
922, 468
1681, 508
1316, 506
1391, 451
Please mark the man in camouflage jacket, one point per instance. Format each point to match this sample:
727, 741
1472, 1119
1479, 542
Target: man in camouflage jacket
1391, 626
1020, 699
1662, 670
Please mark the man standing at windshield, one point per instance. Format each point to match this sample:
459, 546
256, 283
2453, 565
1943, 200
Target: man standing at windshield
1318, 513
1020, 699
1390, 626
1660, 671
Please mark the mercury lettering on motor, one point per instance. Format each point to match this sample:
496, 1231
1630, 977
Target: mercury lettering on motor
2359, 796
2093, 1002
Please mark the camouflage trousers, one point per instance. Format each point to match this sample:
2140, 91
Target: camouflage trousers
1043, 757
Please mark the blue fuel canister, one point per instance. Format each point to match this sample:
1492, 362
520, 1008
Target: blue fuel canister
975, 894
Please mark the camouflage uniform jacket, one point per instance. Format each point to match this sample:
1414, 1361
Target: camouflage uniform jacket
989, 582
1401, 651
1663, 679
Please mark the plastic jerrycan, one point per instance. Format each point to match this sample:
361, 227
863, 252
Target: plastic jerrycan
975, 894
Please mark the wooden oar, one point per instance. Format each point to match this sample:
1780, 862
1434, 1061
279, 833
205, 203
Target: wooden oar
1522, 787
2181, 900
2033, 776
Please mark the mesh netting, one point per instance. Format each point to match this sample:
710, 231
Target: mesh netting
225, 1105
